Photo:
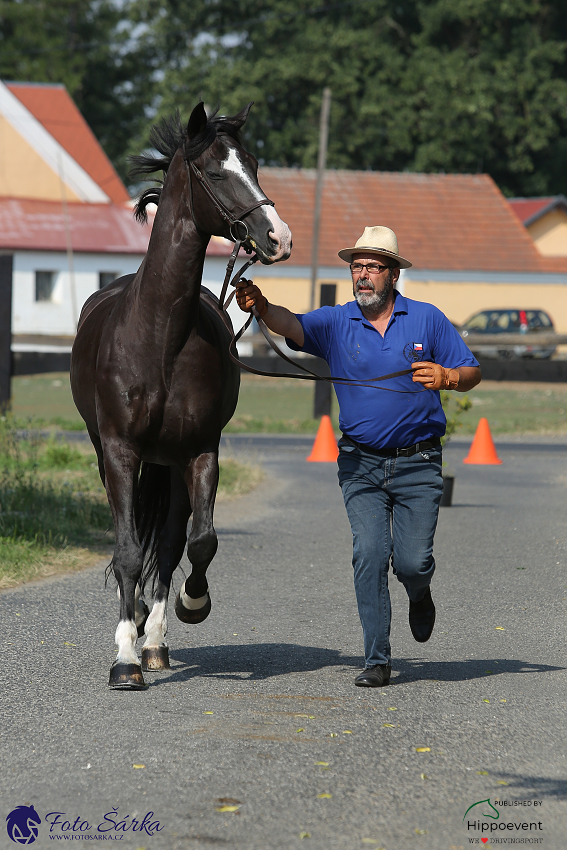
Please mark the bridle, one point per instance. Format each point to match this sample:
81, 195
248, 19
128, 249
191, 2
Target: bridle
234, 220
223, 211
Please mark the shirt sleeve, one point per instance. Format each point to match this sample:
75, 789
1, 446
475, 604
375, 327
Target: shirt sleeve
317, 329
450, 349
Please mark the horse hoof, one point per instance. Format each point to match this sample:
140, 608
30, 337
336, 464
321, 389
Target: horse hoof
142, 625
126, 677
155, 658
190, 615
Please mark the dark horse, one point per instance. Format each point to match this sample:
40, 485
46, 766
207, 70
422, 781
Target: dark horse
152, 379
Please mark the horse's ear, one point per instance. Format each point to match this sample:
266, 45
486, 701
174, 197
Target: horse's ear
198, 121
239, 120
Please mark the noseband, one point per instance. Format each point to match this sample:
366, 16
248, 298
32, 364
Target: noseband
223, 211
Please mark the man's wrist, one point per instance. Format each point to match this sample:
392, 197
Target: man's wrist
451, 379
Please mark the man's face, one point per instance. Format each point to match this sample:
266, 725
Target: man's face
371, 289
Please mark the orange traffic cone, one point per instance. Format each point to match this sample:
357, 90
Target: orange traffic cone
482, 449
325, 447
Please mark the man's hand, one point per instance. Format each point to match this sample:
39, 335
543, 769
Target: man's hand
248, 295
435, 377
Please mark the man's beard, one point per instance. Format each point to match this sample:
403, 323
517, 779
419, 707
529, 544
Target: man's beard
373, 301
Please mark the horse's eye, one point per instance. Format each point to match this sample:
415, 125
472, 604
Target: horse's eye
214, 175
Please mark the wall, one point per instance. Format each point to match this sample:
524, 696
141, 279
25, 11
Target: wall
550, 233
459, 300
456, 294
56, 317
23, 173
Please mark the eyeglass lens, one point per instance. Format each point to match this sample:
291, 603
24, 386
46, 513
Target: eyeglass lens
372, 268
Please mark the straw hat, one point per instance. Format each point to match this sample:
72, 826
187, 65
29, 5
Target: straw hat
377, 240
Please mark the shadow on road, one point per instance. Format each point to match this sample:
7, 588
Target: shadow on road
257, 661
415, 669
534, 786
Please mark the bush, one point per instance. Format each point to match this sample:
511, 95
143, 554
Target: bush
454, 406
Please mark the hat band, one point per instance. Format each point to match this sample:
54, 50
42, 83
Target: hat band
369, 248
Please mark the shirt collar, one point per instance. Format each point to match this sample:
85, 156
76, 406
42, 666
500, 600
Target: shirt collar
353, 311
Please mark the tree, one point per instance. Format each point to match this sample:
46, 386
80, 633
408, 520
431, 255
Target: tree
422, 85
87, 46
430, 85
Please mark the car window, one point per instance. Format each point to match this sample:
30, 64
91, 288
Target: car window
477, 322
494, 318
538, 319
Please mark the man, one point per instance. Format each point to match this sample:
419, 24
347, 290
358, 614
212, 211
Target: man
390, 452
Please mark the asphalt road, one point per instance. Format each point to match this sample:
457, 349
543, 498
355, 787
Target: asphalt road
257, 738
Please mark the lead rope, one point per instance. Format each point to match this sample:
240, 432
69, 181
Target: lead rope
309, 375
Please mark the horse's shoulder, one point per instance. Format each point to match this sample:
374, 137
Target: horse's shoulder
111, 291
212, 309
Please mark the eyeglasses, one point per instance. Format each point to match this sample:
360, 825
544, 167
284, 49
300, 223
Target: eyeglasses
371, 268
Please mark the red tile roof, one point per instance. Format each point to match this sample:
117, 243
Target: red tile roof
528, 209
32, 225
54, 108
452, 222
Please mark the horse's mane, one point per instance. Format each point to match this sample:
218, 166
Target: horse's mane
166, 138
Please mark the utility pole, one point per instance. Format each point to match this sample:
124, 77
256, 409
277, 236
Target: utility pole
321, 163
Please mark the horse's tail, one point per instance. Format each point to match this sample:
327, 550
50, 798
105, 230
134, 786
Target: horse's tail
152, 508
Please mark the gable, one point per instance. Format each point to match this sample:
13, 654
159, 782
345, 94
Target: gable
72, 176
23, 172
53, 107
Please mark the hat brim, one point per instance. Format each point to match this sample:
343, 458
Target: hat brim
347, 253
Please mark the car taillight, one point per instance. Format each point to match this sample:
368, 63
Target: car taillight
523, 321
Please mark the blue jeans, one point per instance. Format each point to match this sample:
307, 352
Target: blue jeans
392, 504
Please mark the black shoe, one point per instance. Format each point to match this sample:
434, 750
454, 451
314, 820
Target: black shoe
422, 617
374, 677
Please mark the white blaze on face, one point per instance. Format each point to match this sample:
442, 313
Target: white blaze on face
280, 232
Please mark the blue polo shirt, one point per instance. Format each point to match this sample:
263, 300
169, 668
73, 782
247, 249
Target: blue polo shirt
354, 349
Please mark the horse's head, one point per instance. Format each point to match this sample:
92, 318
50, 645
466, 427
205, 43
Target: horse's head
224, 179
222, 194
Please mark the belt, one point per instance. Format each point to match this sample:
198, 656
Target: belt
408, 451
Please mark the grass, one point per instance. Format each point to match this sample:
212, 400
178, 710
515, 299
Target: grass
53, 511
281, 405
54, 516
518, 408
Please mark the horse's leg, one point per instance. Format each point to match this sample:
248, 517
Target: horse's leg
155, 655
96, 441
142, 610
121, 474
193, 603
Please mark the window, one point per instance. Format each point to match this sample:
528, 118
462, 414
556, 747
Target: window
44, 285
104, 278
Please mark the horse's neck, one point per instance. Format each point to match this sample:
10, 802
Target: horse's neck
170, 278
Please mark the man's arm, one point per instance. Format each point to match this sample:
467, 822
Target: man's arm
436, 377
280, 320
